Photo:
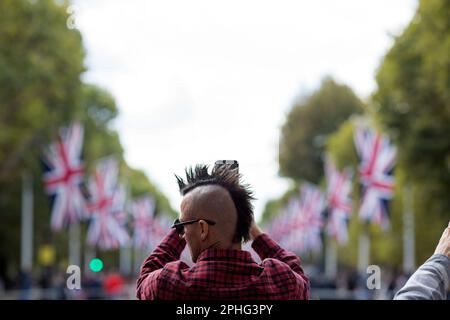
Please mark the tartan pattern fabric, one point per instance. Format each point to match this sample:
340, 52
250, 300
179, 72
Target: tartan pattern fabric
222, 274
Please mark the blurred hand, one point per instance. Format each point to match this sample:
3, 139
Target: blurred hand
443, 246
255, 231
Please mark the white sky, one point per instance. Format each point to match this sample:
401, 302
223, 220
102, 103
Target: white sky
197, 81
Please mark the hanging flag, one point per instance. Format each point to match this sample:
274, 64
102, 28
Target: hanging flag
106, 206
120, 214
298, 227
339, 186
119, 207
144, 224
162, 226
286, 233
309, 222
377, 162
64, 174
281, 225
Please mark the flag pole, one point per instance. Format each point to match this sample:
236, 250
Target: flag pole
26, 256
330, 258
125, 253
363, 249
125, 259
89, 254
74, 243
408, 231
137, 259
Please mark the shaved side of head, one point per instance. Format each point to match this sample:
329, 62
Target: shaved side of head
214, 202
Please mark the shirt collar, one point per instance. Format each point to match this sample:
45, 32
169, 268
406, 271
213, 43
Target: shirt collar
225, 255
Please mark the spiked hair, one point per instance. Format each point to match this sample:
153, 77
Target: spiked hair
240, 193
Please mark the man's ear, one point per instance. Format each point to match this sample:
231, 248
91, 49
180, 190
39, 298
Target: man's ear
204, 229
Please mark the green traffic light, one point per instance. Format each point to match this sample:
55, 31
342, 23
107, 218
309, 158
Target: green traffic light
96, 265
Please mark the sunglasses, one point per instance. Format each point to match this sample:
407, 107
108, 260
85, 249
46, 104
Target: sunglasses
179, 225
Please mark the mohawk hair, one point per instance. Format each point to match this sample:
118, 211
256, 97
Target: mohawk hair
240, 193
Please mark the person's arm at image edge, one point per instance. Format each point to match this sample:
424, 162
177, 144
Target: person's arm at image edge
431, 281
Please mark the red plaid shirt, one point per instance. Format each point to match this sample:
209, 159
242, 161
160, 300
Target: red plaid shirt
221, 274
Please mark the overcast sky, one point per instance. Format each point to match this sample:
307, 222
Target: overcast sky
197, 81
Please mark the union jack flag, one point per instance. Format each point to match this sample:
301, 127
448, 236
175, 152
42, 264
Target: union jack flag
64, 175
286, 233
298, 228
339, 186
106, 206
162, 226
144, 225
377, 162
281, 225
308, 224
120, 210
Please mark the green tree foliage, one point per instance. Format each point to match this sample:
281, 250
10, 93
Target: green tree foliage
307, 126
98, 110
41, 63
40, 66
413, 99
413, 104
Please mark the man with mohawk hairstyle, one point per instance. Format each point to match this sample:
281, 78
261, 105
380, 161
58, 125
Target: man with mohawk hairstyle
216, 218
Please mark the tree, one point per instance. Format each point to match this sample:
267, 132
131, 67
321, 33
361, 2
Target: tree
40, 66
307, 126
413, 98
413, 103
41, 63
